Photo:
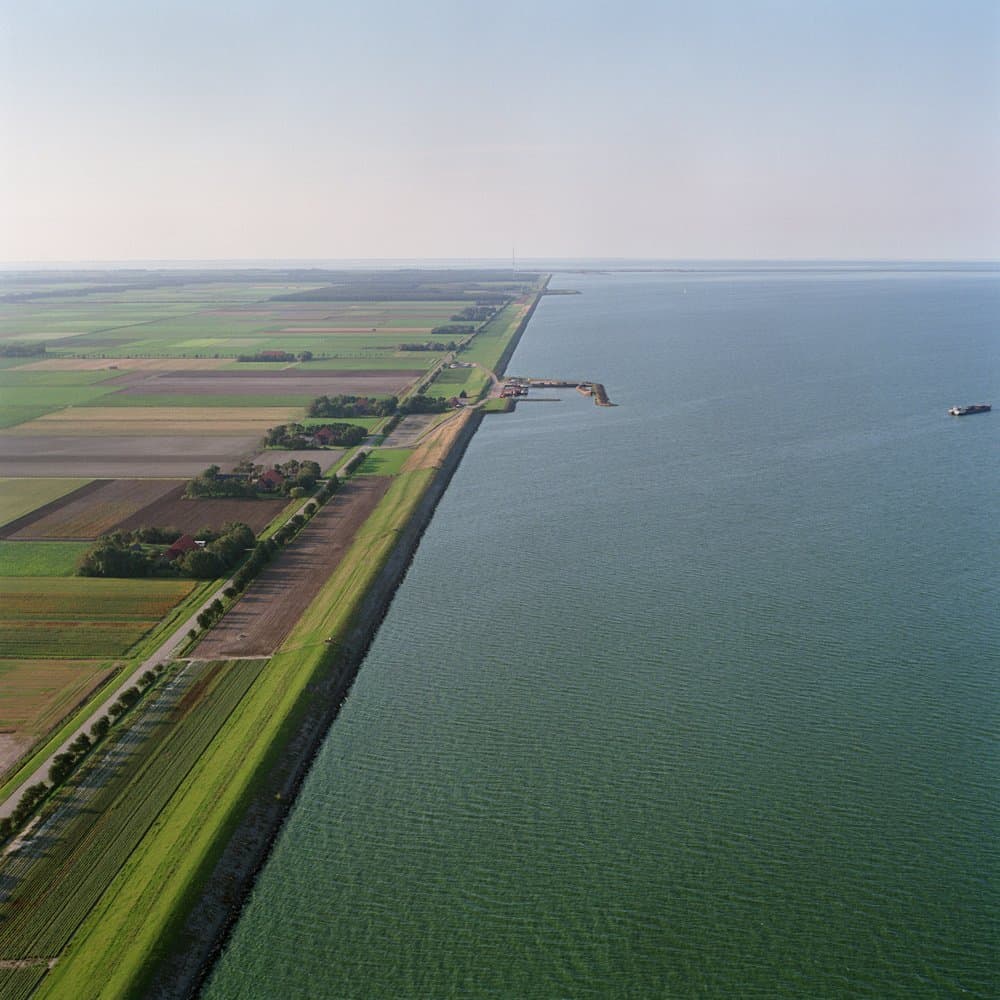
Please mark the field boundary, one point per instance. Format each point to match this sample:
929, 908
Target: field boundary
271, 791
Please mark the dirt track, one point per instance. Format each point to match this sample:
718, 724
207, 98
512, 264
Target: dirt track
263, 617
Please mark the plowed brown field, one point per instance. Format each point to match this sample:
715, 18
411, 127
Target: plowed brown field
120, 457
259, 622
173, 511
285, 382
89, 512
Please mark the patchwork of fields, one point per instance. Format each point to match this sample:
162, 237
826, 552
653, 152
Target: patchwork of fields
35, 696
127, 504
262, 618
74, 617
134, 386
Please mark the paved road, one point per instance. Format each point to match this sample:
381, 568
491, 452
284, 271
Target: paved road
164, 653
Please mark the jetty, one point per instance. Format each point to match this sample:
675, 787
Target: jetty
517, 388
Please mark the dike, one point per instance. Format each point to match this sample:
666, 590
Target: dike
198, 937
508, 351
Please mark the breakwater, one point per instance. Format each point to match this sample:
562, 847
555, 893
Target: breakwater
199, 935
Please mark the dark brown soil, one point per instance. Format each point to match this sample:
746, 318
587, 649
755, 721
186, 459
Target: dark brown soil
25, 520
262, 384
173, 511
274, 602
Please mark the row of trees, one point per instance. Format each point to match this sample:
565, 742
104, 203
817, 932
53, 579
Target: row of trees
212, 483
478, 313
142, 553
297, 436
364, 406
276, 356
453, 330
353, 406
433, 345
22, 350
65, 763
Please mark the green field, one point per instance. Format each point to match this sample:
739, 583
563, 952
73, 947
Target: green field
21, 496
50, 617
452, 381
94, 844
489, 344
35, 695
123, 934
138, 402
40, 558
384, 462
13, 378
130, 862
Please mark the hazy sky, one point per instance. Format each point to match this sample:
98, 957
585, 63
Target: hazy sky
138, 129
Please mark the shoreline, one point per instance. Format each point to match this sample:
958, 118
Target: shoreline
228, 886
199, 936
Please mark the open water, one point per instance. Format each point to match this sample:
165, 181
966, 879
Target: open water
696, 696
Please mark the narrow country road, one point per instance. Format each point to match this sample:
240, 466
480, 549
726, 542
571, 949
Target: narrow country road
162, 655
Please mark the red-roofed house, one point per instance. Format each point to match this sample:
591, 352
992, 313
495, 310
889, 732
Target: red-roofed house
270, 480
183, 545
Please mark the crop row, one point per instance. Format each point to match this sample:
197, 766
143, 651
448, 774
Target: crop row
58, 890
62, 597
20, 983
45, 640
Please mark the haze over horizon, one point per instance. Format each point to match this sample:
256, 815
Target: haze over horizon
771, 130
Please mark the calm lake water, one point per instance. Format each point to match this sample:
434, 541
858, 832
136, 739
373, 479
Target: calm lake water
696, 696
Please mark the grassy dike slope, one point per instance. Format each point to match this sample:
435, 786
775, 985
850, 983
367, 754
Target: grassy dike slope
154, 930
140, 921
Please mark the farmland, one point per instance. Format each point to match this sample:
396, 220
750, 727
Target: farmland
22, 496
126, 790
152, 420
131, 390
122, 456
40, 558
90, 513
263, 617
384, 462
78, 617
36, 694
127, 504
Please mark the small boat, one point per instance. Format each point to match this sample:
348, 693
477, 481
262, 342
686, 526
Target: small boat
964, 411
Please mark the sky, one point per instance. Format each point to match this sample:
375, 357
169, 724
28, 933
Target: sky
140, 129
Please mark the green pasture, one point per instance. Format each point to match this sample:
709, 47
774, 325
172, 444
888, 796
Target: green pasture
13, 378
21, 496
488, 345
79, 617
41, 558
498, 406
384, 462
452, 381
131, 925
124, 809
205, 399
11, 416
51, 396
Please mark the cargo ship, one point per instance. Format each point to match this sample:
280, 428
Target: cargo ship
964, 411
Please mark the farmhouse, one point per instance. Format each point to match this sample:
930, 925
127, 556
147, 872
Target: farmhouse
270, 480
183, 545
